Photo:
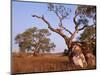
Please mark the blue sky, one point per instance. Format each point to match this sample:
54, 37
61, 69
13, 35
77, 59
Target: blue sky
22, 19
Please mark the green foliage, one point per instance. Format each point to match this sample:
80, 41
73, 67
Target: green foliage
86, 10
87, 34
85, 13
35, 39
60, 10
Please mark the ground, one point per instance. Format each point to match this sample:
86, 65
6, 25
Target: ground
23, 63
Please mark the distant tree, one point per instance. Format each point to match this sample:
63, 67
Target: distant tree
41, 42
35, 39
83, 15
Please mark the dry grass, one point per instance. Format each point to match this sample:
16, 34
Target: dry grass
22, 63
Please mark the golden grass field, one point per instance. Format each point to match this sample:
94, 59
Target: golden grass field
48, 63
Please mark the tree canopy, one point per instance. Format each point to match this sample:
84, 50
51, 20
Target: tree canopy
35, 39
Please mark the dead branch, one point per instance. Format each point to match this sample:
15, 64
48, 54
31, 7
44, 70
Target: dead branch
74, 19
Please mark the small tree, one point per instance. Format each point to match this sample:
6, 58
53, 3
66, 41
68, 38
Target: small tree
35, 39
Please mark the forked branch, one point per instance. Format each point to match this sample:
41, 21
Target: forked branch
50, 27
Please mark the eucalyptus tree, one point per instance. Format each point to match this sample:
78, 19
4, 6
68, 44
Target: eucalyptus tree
35, 39
83, 15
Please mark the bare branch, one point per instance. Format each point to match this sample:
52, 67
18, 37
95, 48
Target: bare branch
74, 19
85, 27
42, 18
60, 16
73, 34
66, 29
57, 15
61, 25
50, 27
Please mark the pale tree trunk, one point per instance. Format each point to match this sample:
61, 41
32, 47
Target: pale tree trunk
71, 38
